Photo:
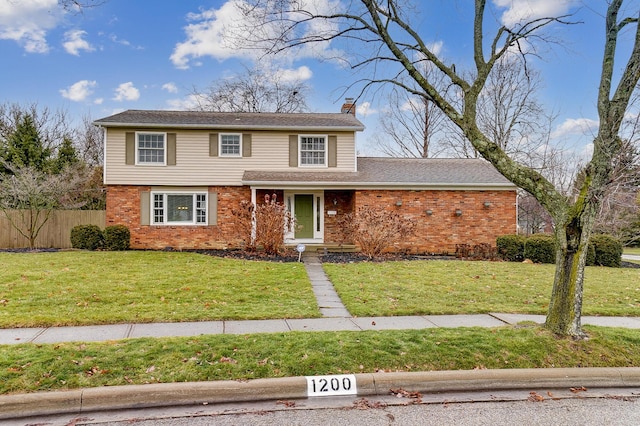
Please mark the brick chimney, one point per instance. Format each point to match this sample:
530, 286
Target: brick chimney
349, 106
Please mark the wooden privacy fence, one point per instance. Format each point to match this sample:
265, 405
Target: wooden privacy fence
55, 233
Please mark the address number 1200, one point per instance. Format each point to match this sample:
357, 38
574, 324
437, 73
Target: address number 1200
342, 384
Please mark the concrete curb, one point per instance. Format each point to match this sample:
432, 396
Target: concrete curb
198, 393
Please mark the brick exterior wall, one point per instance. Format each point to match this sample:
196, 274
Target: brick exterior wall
342, 203
440, 231
123, 208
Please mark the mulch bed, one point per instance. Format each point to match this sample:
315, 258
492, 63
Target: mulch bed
292, 256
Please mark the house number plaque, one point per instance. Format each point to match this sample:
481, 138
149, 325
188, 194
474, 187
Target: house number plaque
340, 384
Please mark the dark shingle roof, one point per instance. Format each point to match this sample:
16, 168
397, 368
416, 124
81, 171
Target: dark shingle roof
233, 120
390, 172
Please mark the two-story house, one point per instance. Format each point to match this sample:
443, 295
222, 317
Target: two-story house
174, 178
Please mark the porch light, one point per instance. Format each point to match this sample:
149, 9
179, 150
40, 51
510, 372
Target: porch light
458, 212
487, 204
399, 203
429, 212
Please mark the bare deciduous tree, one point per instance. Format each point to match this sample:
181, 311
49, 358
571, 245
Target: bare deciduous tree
384, 30
28, 196
255, 90
90, 142
411, 125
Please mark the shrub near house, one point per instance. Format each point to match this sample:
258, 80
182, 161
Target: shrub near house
91, 237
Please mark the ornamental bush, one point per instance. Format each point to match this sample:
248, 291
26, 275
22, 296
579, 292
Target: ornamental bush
540, 248
87, 237
116, 237
608, 250
511, 247
375, 229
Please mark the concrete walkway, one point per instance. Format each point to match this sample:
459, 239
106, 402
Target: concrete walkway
328, 300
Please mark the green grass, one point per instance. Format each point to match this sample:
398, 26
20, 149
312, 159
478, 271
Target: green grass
30, 367
460, 287
76, 288
632, 250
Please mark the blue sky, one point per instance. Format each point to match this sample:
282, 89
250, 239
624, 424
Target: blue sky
150, 54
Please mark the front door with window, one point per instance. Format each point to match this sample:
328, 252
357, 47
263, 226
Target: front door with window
304, 216
307, 209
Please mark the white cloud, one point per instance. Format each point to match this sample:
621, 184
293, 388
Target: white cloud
214, 33
170, 87
575, 126
522, 10
114, 38
365, 109
27, 22
126, 92
79, 91
190, 102
206, 35
436, 47
98, 101
74, 42
302, 73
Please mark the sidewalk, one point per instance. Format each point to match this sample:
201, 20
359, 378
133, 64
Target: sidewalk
95, 333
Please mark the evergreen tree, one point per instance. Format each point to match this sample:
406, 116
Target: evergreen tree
67, 156
24, 147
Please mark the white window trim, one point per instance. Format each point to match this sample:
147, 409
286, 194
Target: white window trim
318, 216
326, 152
165, 203
238, 155
138, 162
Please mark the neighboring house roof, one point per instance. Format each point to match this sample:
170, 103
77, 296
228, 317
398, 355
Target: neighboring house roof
233, 120
419, 173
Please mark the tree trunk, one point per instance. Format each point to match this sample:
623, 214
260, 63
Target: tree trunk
572, 239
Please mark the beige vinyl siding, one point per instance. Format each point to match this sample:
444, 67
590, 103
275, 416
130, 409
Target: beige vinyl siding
195, 166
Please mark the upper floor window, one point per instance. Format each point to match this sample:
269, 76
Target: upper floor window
313, 150
230, 145
150, 148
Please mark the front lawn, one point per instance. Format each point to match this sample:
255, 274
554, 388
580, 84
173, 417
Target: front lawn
81, 288
459, 287
632, 250
30, 367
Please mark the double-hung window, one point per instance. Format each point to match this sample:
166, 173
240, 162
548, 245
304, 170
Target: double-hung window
230, 145
151, 148
313, 151
179, 209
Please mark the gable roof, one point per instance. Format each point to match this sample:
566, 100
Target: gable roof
399, 173
233, 120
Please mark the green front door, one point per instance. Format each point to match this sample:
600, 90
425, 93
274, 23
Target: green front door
304, 216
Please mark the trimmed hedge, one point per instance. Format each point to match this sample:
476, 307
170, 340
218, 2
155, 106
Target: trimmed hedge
540, 248
116, 238
603, 249
608, 250
511, 247
87, 237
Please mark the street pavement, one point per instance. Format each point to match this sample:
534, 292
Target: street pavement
335, 318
